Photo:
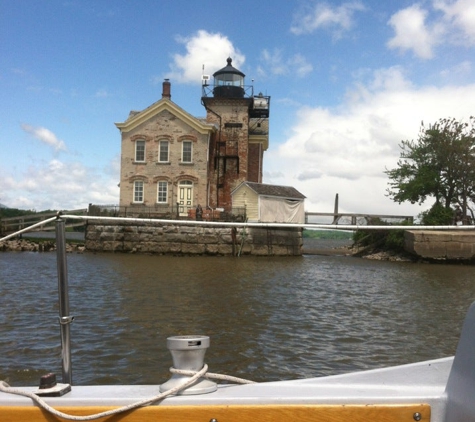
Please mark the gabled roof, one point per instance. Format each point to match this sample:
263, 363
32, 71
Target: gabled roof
288, 192
136, 118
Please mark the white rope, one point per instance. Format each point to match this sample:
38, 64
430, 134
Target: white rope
210, 375
4, 387
244, 224
264, 225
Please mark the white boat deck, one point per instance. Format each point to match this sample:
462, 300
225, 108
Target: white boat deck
416, 383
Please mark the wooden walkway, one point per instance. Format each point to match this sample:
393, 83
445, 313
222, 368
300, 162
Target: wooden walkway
13, 224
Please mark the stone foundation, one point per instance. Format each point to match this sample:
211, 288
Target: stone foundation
21, 245
435, 244
192, 239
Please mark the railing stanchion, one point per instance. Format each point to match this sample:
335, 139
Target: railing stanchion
63, 291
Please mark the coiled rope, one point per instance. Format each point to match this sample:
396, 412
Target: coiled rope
203, 373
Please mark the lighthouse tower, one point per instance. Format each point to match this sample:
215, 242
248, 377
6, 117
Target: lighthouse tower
237, 149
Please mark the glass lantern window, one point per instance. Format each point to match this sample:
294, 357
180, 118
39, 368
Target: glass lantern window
229, 79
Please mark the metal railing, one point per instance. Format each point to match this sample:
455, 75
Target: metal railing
207, 91
175, 212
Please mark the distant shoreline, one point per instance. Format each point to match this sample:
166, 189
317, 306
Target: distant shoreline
337, 251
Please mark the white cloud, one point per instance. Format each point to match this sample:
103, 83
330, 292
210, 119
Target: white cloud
413, 33
101, 93
203, 48
339, 19
460, 70
460, 14
347, 150
274, 63
371, 81
421, 29
59, 185
44, 135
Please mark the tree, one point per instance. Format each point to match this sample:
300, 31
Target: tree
439, 165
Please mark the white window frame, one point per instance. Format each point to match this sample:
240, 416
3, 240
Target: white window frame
162, 184
137, 150
190, 143
160, 143
138, 194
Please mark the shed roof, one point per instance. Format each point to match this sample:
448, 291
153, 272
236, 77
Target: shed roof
273, 190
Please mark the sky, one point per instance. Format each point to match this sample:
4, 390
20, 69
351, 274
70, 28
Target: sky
348, 80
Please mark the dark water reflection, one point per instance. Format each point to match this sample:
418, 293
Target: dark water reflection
268, 318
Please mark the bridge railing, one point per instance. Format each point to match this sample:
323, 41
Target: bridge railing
359, 219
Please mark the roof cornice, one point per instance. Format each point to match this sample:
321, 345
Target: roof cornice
168, 105
260, 139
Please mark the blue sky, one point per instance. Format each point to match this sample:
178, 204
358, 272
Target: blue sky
348, 81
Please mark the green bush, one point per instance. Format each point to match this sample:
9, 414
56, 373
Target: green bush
438, 215
395, 240
13, 212
327, 234
369, 237
388, 240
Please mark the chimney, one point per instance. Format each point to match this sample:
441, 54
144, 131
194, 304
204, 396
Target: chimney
166, 93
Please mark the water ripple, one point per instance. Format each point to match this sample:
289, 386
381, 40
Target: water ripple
268, 318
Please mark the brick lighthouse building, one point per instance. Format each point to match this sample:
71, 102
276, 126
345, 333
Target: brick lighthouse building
242, 118
171, 161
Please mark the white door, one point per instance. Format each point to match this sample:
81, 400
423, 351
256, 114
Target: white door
185, 197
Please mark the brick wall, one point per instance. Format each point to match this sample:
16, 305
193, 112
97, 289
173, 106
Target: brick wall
164, 126
255, 163
233, 144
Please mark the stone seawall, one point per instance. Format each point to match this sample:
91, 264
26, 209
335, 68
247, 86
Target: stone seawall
22, 245
433, 244
187, 239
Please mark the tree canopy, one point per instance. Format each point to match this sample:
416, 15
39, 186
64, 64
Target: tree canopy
439, 165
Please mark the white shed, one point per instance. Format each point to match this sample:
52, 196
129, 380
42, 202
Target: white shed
270, 203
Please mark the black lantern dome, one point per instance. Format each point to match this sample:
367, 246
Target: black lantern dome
229, 82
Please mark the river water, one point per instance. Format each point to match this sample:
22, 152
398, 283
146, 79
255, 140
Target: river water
269, 318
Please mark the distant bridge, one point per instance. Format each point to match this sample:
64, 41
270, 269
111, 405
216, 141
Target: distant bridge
359, 219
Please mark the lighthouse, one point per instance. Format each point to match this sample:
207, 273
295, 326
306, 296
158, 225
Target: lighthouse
242, 119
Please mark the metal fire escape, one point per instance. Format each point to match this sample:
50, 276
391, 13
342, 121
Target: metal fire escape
227, 151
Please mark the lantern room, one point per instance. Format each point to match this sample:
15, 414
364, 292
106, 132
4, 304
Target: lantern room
229, 82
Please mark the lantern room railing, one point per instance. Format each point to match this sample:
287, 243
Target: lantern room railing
207, 91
